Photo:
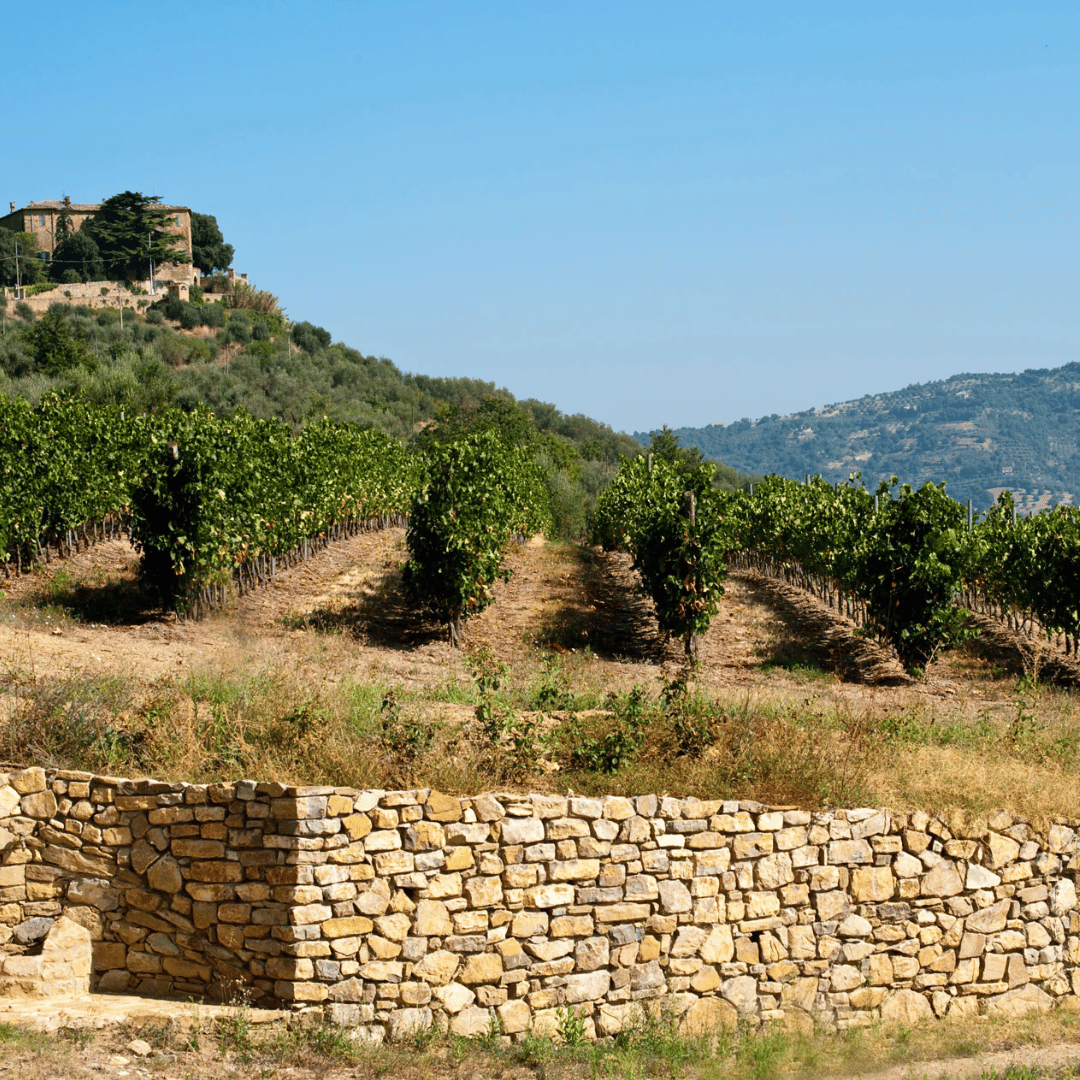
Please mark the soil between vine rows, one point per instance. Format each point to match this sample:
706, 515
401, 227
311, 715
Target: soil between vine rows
342, 615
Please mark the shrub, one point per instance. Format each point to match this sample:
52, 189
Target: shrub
309, 337
213, 315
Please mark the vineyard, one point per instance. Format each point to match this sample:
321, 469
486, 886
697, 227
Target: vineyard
900, 562
217, 506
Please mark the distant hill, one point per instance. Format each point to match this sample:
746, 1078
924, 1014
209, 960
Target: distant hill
979, 433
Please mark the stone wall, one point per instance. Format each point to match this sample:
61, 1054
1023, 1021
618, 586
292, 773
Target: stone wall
88, 294
395, 909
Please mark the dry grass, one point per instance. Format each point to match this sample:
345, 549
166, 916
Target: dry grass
548, 729
1042, 1047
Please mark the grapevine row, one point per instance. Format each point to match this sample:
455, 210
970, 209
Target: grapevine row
900, 561
474, 495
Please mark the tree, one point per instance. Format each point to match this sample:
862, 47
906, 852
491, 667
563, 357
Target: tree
30, 267
78, 254
309, 337
64, 226
53, 345
209, 252
130, 230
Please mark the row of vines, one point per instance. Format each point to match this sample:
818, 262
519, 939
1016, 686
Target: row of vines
900, 562
216, 506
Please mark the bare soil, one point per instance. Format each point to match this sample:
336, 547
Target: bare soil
342, 615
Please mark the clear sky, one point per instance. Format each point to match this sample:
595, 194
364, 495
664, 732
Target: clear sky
664, 212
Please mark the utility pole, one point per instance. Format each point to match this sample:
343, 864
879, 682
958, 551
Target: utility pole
150, 248
120, 305
18, 280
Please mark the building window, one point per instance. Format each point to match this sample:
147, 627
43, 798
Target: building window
41, 220
178, 221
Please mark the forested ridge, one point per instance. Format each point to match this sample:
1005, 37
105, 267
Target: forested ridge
979, 433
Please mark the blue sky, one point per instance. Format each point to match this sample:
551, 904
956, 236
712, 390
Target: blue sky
679, 213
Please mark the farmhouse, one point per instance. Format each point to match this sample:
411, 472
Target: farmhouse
40, 219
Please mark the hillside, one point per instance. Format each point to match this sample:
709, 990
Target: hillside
979, 433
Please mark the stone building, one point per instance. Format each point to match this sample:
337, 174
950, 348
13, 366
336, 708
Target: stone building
40, 219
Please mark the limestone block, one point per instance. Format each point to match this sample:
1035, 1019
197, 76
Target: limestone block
527, 830
437, 968
647, 976
514, 1017
40, 805
1003, 850
1020, 1002
710, 1015
481, 968
454, 997
774, 871
549, 950
310, 913
1016, 973
989, 920
640, 887
617, 808
943, 881
831, 905
424, 836
9, 800
548, 896
879, 969
471, 1022
484, 891
762, 905
674, 897
592, 954
751, 845
571, 926
906, 1008
741, 991
978, 877
444, 808
718, 947
844, 977
688, 941
529, 924
972, 944
28, 781
164, 875
407, 1023
850, 851
574, 870
586, 986
1062, 897
871, 884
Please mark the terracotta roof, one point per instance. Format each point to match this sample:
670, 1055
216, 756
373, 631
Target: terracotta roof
82, 208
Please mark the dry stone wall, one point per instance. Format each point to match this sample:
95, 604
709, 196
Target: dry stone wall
393, 910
